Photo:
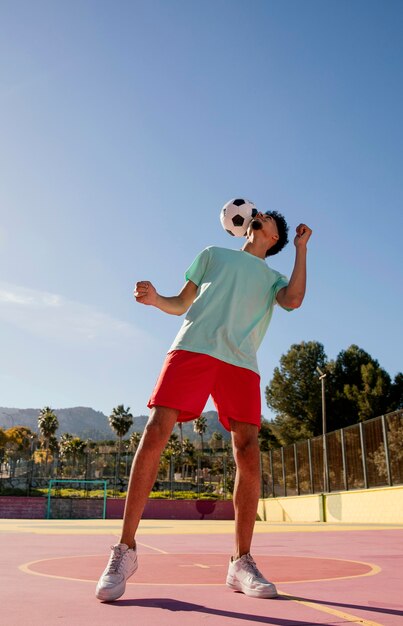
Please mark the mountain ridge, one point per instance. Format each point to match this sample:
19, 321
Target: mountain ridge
87, 423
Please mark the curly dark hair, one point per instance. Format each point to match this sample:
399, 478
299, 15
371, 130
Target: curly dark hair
282, 228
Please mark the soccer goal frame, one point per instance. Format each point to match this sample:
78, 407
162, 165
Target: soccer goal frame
54, 481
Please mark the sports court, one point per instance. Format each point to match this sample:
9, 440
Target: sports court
329, 574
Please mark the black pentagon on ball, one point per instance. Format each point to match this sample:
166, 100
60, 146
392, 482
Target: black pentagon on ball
229, 232
238, 220
239, 202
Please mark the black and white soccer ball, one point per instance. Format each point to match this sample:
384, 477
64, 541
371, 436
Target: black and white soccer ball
236, 215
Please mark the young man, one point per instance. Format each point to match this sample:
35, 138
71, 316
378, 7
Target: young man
229, 296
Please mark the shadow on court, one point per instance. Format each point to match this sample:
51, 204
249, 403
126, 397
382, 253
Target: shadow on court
178, 606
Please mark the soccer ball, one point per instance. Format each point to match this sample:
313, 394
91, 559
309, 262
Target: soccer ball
236, 215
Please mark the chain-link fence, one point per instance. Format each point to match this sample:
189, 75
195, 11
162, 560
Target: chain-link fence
368, 454
202, 475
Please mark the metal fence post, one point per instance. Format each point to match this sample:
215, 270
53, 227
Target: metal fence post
198, 474
272, 473
115, 471
261, 476
344, 458
326, 486
364, 454
296, 468
284, 473
171, 487
87, 465
386, 446
310, 465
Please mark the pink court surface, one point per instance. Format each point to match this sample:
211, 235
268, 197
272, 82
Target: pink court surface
325, 573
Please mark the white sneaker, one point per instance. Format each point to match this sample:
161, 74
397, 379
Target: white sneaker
121, 565
243, 575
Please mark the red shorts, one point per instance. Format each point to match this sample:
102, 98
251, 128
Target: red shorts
187, 379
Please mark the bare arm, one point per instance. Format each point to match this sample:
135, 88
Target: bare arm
291, 297
145, 293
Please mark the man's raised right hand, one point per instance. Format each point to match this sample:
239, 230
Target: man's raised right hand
145, 293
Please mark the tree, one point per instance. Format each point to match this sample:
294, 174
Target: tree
65, 439
294, 393
358, 387
48, 425
216, 440
71, 448
371, 397
134, 441
200, 427
173, 447
188, 452
171, 452
3, 438
180, 426
3, 441
53, 444
120, 420
396, 394
188, 447
17, 444
395, 438
267, 437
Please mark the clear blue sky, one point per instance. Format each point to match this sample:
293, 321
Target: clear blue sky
125, 126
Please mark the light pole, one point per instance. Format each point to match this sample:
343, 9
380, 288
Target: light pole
322, 377
31, 462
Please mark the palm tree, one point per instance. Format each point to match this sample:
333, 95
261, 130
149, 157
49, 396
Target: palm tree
77, 449
64, 447
48, 425
216, 440
120, 420
72, 447
173, 447
134, 441
64, 439
188, 447
172, 450
180, 426
188, 451
200, 427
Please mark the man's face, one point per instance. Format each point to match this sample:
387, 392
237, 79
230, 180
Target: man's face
266, 224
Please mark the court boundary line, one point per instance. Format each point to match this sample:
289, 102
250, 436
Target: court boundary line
374, 570
326, 609
282, 595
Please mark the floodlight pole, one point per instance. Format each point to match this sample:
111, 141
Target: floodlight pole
322, 377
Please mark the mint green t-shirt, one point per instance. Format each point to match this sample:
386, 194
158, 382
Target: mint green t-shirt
233, 306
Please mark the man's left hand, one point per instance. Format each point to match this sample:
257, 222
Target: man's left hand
302, 236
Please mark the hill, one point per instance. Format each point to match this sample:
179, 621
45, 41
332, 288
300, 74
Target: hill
80, 421
86, 423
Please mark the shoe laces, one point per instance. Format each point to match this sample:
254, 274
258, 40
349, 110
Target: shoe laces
116, 559
251, 567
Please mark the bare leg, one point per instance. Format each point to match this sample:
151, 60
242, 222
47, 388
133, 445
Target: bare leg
145, 467
247, 483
